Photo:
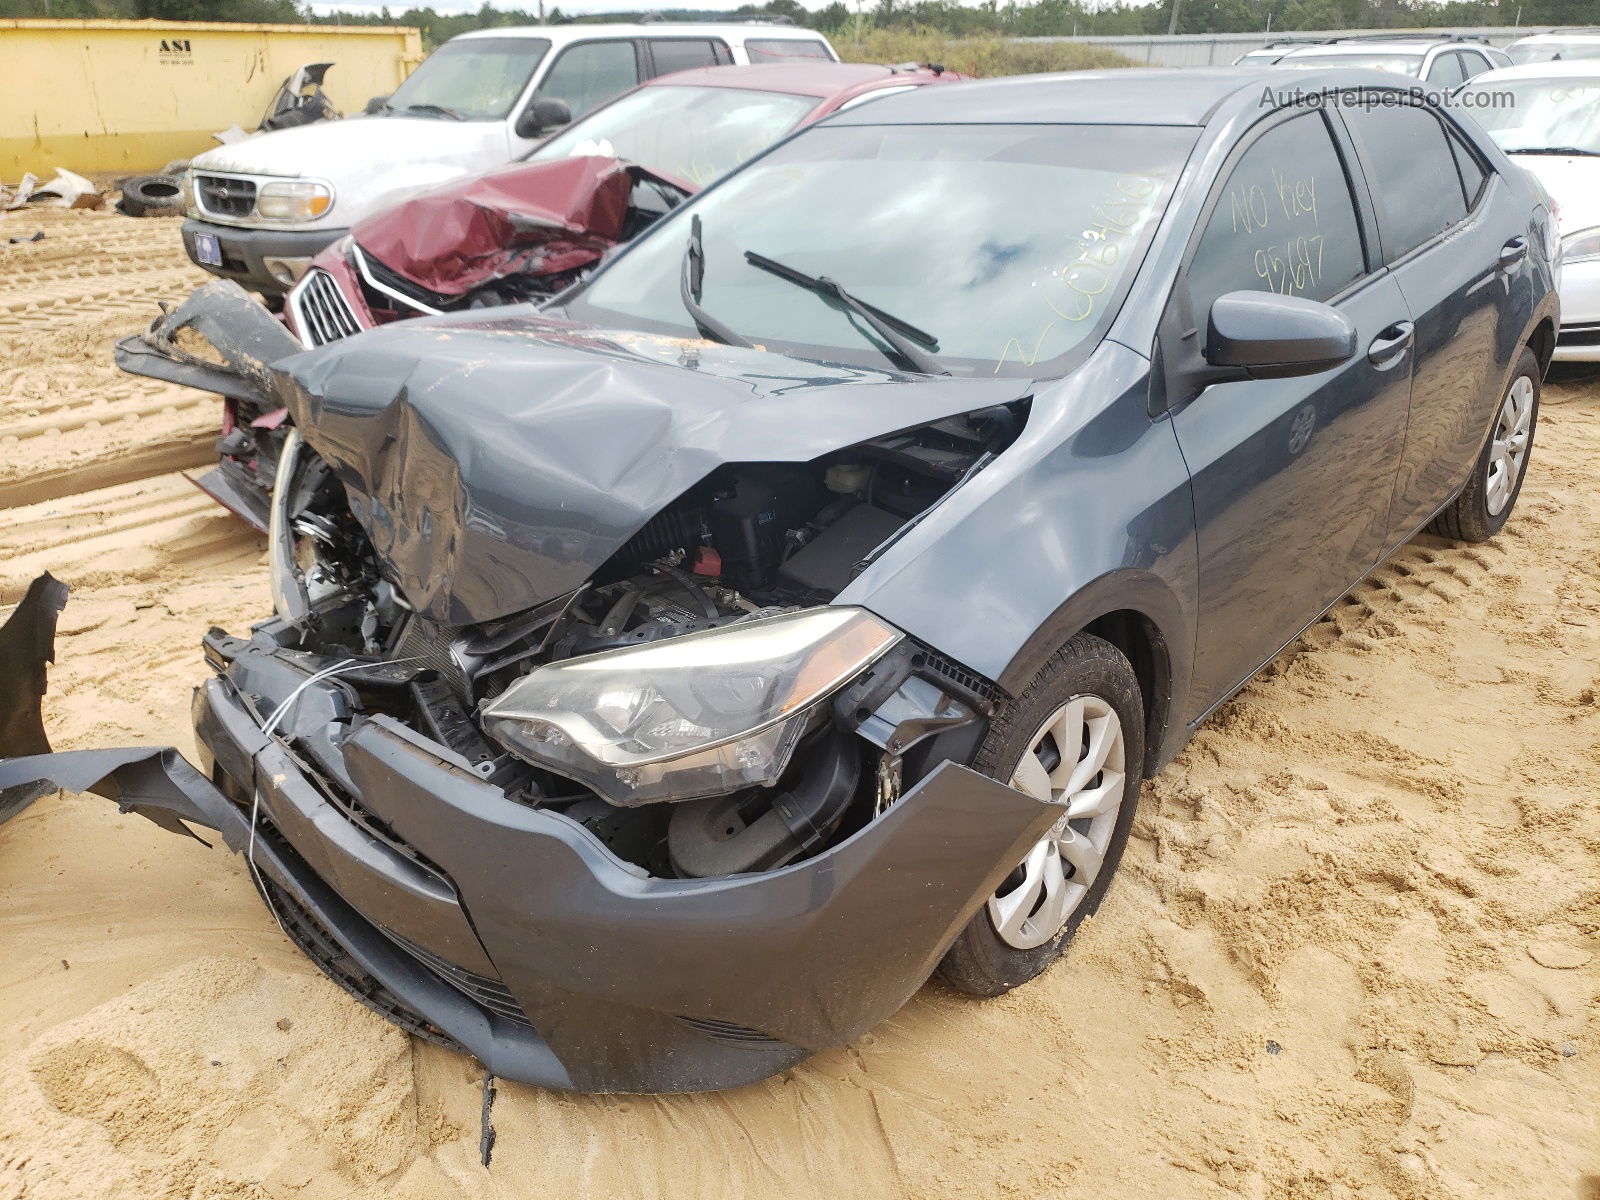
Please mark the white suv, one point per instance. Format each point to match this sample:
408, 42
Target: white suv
1444, 62
261, 208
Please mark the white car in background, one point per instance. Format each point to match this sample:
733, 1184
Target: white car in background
260, 209
1558, 45
1546, 117
1444, 60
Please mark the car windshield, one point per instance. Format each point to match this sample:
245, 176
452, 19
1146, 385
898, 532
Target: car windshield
1534, 52
475, 79
1395, 64
694, 133
1010, 245
1539, 114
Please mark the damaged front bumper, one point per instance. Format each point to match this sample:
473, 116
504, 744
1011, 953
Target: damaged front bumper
512, 932
234, 342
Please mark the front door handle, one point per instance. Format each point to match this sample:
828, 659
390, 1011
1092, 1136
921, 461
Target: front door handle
1389, 345
1513, 252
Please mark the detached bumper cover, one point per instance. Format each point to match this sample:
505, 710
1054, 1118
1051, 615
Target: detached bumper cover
246, 338
517, 935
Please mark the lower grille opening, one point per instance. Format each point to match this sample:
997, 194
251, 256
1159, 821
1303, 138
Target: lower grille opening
727, 1031
482, 990
323, 949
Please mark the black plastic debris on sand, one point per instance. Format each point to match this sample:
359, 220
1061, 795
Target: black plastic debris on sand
486, 1137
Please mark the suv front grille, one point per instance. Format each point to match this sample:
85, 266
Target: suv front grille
321, 312
224, 196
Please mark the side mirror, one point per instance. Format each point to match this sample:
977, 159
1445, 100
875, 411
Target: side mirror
1262, 335
375, 105
545, 113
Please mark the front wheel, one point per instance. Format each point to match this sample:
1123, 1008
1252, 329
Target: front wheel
1484, 505
1075, 738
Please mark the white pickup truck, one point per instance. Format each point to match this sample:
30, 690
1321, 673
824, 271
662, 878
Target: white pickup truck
258, 210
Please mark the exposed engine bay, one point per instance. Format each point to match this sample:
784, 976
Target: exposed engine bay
749, 544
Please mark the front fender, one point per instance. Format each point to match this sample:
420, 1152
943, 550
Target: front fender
1089, 512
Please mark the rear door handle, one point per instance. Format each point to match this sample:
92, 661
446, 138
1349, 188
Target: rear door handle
1513, 252
1389, 345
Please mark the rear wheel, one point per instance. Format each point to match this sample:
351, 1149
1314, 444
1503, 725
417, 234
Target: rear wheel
1075, 737
1482, 508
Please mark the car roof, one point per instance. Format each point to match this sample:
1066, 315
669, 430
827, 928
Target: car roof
1567, 68
738, 31
1561, 35
1125, 96
1419, 45
812, 78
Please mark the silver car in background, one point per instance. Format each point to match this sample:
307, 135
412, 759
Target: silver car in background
1546, 117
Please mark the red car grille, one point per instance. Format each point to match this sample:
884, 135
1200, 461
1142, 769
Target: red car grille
321, 313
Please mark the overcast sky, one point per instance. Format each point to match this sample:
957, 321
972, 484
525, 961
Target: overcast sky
567, 6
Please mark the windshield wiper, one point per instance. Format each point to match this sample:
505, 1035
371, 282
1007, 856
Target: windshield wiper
694, 272
435, 108
1562, 150
901, 335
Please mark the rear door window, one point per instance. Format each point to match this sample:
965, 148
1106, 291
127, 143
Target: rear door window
770, 50
1284, 221
1447, 70
684, 54
1407, 153
590, 73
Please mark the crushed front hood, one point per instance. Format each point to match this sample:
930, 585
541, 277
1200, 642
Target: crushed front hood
496, 461
548, 217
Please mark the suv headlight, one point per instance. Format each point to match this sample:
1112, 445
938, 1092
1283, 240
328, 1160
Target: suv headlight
698, 715
296, 200
1581, 246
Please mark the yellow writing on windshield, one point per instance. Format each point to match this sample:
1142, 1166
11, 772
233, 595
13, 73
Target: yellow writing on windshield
1072, 291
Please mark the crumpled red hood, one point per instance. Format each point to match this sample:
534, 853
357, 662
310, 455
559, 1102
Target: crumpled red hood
533, 218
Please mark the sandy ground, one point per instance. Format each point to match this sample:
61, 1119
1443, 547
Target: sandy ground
1354, 950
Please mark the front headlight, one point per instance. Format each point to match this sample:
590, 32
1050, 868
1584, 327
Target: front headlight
1582, 246
294, 200
698, 715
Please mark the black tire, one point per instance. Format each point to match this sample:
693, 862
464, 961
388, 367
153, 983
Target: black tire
979, 962
144, 195
1467, 518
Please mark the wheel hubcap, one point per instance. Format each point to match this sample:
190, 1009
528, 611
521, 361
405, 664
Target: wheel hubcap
1075, 760
1508, 452
1301, 428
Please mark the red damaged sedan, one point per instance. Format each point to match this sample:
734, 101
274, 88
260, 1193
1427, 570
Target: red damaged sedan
528, 231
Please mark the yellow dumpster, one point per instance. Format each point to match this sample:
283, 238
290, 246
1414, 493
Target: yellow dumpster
125, 97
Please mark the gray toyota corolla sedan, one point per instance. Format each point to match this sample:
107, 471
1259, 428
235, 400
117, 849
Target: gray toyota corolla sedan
665, 683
